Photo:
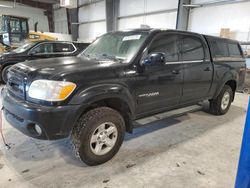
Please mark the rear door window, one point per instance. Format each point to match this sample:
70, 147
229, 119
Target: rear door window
220, 48
234, 50
43, 48
63, 47
192, 49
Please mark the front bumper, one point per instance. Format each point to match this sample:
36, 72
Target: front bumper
55, 122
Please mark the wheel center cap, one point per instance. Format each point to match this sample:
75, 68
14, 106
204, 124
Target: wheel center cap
103, 137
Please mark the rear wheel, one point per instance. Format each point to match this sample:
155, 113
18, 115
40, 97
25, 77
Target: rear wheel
246, 90
222, 103
98, 135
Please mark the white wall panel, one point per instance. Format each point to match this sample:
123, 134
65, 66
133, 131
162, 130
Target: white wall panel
158, 20
163, 20
154, 5
211, 19
130, 23
202, 1
89, 32
92, 12
60, 21
130, 7
81, 2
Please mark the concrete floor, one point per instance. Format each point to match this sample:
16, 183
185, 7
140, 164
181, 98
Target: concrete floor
193, 150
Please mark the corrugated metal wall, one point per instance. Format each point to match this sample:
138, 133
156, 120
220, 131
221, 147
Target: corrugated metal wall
208, 19
92, 19
60, 20
211, 18
132, 14
155, 13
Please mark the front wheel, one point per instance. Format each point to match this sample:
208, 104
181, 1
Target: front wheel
98, 135
222, 103
4, 73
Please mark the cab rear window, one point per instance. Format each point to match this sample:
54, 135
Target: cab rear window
220, 48
224, 48
234, 50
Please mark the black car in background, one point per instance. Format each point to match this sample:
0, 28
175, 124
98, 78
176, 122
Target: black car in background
39, 50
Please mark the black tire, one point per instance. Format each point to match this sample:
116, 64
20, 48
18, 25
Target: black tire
84, 129
246, 90
216, 104
4, 73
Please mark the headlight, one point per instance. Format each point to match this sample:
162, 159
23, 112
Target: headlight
49, 90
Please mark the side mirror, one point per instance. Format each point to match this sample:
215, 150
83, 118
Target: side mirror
154, 59
33, 52
245, 53
7, 47
1, 38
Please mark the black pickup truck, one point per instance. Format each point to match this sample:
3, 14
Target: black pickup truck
122, 76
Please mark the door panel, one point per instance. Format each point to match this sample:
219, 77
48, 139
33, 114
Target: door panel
197, 69
160, 86
197, 80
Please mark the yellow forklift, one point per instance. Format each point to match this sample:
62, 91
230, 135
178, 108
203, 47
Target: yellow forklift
14, 31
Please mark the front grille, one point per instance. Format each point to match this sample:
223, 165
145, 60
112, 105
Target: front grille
15, 84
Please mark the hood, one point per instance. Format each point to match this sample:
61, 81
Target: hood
7, 55
59, 67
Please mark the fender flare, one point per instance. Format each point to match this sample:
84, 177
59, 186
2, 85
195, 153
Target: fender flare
88, 96
95, 93
10, 63
227, 77
4, 66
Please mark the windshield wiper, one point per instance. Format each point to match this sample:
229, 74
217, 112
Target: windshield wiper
86, 55
111, 57
104, 55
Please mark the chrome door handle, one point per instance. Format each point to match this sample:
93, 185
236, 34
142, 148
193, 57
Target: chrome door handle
207, 69
176, 72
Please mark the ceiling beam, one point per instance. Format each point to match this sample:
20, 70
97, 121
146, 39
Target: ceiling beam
34, 4
183, 14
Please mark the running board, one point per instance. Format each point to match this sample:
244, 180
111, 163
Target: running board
169, 114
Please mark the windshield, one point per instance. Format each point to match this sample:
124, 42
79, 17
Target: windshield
120, 46
248, 62
3, 24
2, 28
24, 47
